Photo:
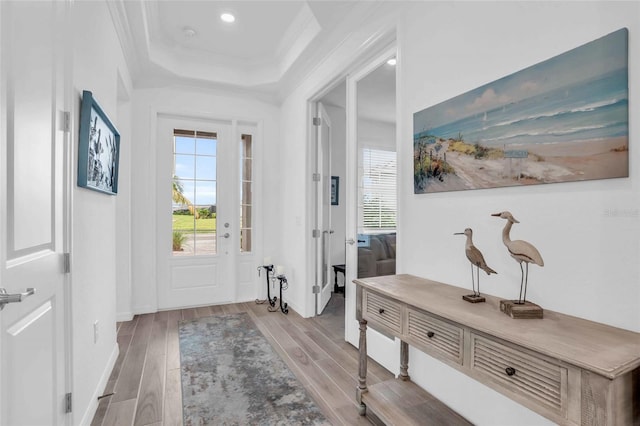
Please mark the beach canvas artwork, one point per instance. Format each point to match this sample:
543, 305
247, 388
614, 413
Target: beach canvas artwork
561, 120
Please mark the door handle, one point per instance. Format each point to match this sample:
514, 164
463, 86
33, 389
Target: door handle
226, 235
13, 298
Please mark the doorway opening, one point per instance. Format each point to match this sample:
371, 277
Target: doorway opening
360, 183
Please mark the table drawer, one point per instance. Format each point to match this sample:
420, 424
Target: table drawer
522, 373
382, 311
435, 336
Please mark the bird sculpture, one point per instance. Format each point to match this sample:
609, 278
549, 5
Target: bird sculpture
477, 259
521, 251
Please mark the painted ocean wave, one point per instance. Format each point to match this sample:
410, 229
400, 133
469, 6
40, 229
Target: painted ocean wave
593, 109
562, 112
588, 133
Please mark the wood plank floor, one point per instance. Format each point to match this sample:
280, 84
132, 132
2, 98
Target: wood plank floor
145, 381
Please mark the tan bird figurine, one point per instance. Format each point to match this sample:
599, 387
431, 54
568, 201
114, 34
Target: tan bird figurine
476, 258
521, 251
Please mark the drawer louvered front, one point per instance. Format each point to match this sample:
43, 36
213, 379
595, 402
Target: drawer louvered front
432, 334
520, 372
382, 311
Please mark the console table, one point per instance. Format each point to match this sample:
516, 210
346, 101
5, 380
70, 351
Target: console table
570, 370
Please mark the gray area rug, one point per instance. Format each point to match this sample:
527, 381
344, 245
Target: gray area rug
232, 376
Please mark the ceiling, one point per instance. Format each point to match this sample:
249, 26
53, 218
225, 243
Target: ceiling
270, 46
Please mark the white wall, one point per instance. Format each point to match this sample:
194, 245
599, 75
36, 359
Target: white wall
97, 61
591, 257
216, 105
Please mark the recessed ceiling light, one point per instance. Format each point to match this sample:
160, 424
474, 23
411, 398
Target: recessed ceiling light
392, 61
227, 17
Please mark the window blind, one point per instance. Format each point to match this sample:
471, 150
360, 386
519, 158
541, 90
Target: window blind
379, 201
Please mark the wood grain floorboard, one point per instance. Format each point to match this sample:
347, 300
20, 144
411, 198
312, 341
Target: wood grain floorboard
120, 413
147, 376
151, 396
204, 311
173, 343
130, 376
217, 310
127, 328
173, 399
231, 309
101, 411
188, 314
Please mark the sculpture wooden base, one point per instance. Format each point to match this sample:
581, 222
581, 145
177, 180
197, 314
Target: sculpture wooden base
524, 310
473, 298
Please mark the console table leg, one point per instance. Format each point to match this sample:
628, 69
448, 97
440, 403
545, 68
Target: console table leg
362, 370
404, 361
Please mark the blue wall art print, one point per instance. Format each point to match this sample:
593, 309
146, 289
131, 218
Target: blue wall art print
561, 120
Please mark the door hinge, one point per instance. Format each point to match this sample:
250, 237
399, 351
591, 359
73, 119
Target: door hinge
317, 121
67, 403
316, 289
316, 177
315, 233
66, 263
67, 121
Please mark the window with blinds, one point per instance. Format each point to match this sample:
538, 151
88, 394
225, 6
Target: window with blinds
378, 191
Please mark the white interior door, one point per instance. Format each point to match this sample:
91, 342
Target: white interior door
324, 200
383, 349
197, 230
32, 240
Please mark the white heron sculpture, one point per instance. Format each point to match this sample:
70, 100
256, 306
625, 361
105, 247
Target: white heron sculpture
476, 258
521, 251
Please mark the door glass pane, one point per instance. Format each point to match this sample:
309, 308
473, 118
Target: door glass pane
184, 166
205, 144
246, 192
194, 193
205, 167
184, 145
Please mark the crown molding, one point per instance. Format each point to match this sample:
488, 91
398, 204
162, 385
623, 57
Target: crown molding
122, 27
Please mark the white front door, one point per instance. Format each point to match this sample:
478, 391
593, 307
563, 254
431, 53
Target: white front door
324, 200
204, 212
33, 348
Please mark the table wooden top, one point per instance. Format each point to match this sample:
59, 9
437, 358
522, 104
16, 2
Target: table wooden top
600, 348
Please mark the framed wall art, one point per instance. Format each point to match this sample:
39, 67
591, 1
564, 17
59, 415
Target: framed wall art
98, 148
335, 190
561, 120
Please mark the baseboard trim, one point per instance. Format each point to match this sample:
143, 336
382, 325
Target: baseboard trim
102, 384
145, 309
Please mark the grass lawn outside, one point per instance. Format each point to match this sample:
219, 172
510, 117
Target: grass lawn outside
184, 223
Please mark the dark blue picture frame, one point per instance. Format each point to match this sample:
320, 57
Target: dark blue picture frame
98, 148
335, 190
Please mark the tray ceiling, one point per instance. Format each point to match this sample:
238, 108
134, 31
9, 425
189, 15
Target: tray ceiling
169, 42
